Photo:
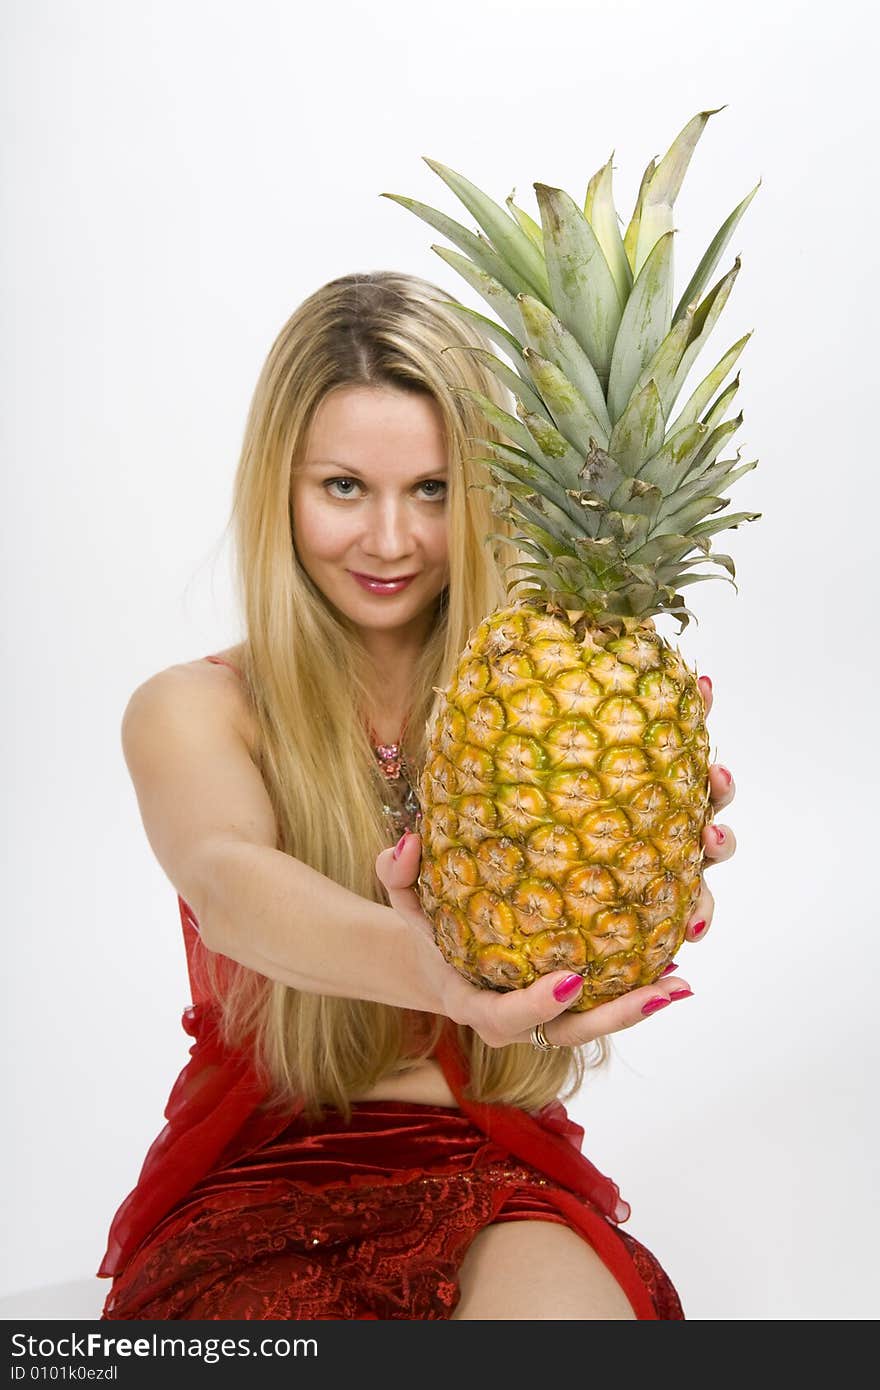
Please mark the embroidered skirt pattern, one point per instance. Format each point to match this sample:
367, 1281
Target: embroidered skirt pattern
362, 1221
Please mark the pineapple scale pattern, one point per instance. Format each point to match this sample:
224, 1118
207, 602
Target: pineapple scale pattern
565, 791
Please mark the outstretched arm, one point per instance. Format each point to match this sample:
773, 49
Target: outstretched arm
210, 822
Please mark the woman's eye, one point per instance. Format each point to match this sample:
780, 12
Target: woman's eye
347, 486
349, 483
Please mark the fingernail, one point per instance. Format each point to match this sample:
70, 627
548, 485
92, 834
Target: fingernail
707, 679
680, 993
658, 1002
673, 965
399, 846
726, 772
567, 988
718, 833
698, 928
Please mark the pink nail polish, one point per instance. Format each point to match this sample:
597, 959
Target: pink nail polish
708, 680
673, 965
567, 988
698, 928
725, 773
399, 846
680, 993
658, 1002
718, 833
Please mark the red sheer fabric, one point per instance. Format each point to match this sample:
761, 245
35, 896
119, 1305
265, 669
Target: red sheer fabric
239, 1212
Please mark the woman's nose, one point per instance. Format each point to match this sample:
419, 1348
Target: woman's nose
388, 534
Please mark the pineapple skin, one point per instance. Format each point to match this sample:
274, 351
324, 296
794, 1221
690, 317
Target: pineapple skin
564, 794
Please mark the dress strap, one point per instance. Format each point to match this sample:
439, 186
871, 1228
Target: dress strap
221, 661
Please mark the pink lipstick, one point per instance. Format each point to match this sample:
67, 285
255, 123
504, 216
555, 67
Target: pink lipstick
382, 586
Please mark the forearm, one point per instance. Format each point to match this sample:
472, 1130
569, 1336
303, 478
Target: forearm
278, 916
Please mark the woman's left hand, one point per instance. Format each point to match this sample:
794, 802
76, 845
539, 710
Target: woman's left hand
719, 841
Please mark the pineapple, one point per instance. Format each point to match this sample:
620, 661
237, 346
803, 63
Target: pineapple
565, 788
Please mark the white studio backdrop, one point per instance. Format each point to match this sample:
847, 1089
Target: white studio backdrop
178, 177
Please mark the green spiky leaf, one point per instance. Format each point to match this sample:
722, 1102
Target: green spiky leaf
583, 293
612, 503
643, 326
507, 237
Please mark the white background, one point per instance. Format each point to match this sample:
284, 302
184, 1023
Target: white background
179, 176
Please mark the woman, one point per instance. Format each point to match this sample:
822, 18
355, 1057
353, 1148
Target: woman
359, 1133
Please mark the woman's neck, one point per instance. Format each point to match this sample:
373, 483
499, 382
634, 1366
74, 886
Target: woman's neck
388, 710
392, 667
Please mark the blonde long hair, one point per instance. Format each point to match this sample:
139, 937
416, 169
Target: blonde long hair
305, 675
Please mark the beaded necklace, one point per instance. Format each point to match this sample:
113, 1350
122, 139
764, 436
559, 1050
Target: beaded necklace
400, 802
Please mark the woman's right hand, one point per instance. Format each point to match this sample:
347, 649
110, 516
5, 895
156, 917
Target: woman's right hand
503, 1017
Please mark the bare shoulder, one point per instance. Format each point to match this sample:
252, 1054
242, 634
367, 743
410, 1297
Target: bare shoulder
187, 740
214, 689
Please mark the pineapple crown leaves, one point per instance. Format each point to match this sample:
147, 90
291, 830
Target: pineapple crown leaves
647, 524
599, 355
600, 212
653, 215
506, 375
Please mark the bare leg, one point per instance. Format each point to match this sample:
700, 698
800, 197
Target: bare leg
530, 1270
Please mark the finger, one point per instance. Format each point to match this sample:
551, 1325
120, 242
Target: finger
705, 684
568, 1029
719, 843
398, 867
398, 877
510, 1017
700, 919
722, 788
503, 1018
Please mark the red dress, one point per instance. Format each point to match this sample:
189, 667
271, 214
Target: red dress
242, 1213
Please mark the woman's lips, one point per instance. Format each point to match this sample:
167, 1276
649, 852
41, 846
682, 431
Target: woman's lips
382, 586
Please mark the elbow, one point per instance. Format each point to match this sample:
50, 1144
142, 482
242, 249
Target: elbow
205, 898
200, 917
222, 882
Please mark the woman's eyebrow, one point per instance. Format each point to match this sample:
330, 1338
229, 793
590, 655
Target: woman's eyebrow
356, 473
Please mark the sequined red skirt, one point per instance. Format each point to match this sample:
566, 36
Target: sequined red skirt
367, 1220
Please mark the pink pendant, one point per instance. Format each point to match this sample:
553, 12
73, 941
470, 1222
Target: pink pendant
389, 759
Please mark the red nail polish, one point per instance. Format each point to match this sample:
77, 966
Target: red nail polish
698, 928
708, 680
399, 846
567, 988
658, 1002
680, 993
726, 773
673, 965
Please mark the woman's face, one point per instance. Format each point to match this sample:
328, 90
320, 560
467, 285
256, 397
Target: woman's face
369, 506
